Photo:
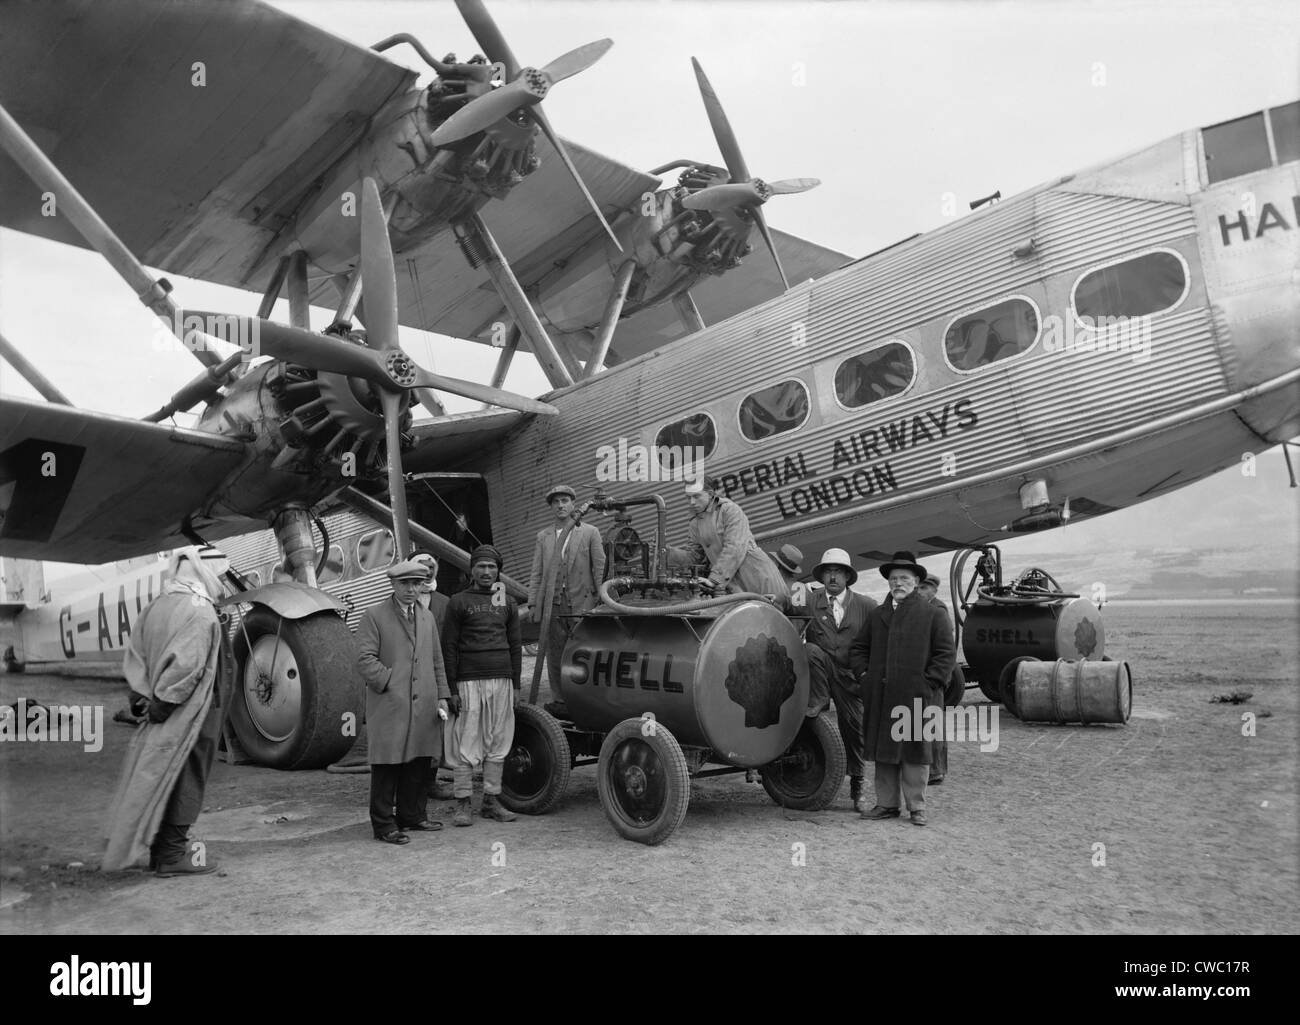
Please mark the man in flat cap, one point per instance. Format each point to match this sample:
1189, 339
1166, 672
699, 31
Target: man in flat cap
718, 533
904, 656
400, 658
179, 667
564, 584
484, 657
838, 615
788, 561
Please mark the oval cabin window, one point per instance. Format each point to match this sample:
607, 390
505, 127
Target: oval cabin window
995, 333
375, 550
872, 376
1135, 288
682, 442
774, 410
333, 569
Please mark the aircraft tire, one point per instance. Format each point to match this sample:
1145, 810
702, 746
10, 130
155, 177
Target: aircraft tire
12, 665
810, 773
643, 781
291, 714
538, 765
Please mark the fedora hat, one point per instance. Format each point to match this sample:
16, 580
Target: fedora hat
904, 560
789, 559
836, 557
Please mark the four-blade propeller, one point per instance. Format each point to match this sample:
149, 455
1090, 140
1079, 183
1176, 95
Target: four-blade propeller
743, 191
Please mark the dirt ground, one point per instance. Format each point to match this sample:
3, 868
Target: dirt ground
1198, 823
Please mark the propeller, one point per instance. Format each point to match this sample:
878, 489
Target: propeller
524, 89
743, 192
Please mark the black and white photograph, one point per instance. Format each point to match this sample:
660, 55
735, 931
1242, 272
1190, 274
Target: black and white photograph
651, 467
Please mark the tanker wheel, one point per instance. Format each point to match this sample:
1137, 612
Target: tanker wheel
538, 765
810, 773
295, 681
643, 781
1007, 682
990, 689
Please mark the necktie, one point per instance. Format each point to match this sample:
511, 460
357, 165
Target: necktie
837, 610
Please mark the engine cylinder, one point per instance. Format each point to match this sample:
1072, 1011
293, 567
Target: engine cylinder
734, 680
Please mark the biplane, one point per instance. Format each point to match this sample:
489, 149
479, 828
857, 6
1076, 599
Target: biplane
1099, 340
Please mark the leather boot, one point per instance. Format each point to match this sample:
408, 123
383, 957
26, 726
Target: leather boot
464, 813
495, 810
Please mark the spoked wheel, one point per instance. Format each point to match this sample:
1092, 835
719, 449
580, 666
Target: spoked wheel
538, 765
643, 781
295, 682
809, 775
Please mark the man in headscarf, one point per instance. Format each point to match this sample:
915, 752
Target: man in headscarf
429, 596
179, 667
719, 534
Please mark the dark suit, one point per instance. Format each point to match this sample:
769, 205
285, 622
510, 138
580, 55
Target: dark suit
830, 675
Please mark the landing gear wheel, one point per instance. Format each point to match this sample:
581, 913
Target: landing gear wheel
990, 689
12, 665
295, 680
1007, 682
643, 781
810, 773
538, 765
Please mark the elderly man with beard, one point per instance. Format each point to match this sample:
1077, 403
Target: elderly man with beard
837, 617
904, 657
178, 665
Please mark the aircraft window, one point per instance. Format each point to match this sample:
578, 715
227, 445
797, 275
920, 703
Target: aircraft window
682, 437
988, 335
333, 566
872, 376
375, 550
1134, 288
1286, 131
1235, 147
774, 410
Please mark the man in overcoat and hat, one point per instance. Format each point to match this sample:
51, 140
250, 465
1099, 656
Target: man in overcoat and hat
400, 658
718, 533
838, 615
952, 694
904, 656
563, 587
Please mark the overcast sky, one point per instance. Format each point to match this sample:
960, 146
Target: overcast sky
892, 106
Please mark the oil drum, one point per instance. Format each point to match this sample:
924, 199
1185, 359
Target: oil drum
994, 634
733, 679
1073, 692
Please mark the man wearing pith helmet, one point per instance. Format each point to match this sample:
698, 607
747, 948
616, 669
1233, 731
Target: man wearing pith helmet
837, 616
566, 585
904, 656
718, 533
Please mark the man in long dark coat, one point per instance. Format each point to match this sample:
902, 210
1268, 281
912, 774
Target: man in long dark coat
400, 658
904, 656
952, 694
838, 615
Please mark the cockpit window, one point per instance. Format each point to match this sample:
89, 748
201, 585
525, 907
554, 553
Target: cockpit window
995, 333
1236, 147
775, 410
680, 442
1286, 131
1138, 287
875, 375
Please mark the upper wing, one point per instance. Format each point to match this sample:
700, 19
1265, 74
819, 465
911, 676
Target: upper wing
741, 288
78, 486
193, 128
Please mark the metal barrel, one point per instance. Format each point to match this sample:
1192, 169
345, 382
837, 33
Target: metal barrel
1073, 692
734, 681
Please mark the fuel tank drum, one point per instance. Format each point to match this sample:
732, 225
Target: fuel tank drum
734, 680
994, 634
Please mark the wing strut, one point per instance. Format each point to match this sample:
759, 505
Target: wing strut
48, 178
688, 312
34, 377
609, 319
516, 301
